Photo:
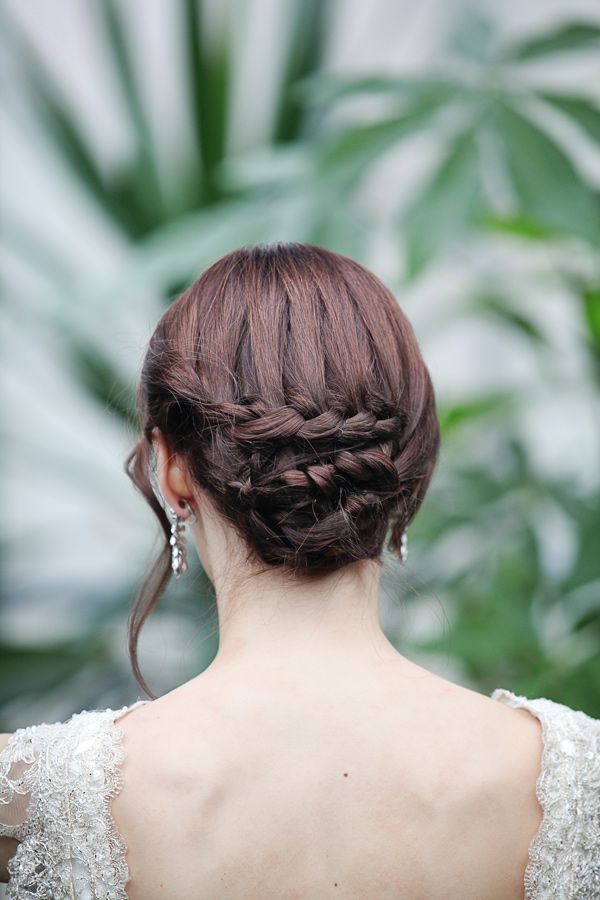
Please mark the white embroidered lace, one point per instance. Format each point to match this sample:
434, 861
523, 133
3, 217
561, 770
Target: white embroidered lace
564, 855
57, 782
66, 774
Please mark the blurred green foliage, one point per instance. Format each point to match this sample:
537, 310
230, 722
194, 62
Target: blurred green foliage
500, 169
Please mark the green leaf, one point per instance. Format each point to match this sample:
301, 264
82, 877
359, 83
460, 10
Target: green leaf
518, 225
492, 626
453, 417
208, 76
144, 173
60, 126
308, 29
322, 90
548, 188
586, 567
590, 301
340, 228
578, 686
585, 113
517, 320
473, 36
181, 249
102, 381
35, 669
448, 204
66, 135
591, 305
564, 38
283, 165
342, 158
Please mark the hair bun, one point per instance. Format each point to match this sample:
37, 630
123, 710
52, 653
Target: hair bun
308, 511
291, 384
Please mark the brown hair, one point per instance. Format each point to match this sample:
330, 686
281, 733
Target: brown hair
291, 384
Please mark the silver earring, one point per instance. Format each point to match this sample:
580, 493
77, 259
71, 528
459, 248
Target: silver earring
403, 546
178, 540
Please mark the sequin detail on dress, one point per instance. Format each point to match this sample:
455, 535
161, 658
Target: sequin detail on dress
564, 855
61, 778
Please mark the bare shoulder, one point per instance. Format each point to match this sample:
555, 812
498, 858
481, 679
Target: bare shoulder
510, 743
513, 735
496, 752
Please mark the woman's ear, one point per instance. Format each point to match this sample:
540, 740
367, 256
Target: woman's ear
173, 478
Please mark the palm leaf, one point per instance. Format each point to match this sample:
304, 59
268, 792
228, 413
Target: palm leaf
585, 113
450, 202
145, 180
304, 58
209, 79
548, 187
343, 157
563, 38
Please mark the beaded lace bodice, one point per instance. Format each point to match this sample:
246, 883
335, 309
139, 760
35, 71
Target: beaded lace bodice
57, 781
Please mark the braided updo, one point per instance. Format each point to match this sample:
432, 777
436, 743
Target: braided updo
291, 384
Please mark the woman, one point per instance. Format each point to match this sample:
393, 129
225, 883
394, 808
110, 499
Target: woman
289, 420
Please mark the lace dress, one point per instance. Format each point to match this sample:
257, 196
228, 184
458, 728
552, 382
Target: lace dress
57, 781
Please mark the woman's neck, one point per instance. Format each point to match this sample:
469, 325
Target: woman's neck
272, 628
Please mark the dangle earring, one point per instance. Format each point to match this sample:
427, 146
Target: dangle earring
404, 546
178, 539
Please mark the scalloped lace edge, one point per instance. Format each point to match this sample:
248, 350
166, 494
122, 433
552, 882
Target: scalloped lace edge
532, 869
113, 786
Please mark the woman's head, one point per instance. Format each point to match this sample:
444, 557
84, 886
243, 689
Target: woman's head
290, 387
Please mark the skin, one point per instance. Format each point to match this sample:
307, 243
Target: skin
312, 661
311, 759
270, 627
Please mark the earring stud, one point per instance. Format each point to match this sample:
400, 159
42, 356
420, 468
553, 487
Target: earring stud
404, 546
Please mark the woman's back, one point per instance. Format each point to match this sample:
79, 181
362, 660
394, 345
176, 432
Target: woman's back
392, 785
382, 789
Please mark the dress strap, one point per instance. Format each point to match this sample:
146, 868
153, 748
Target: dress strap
56, 785
564, 855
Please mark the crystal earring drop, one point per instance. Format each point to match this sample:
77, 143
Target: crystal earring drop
178, 540
403, 546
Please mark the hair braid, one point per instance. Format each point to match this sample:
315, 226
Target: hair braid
292, 385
